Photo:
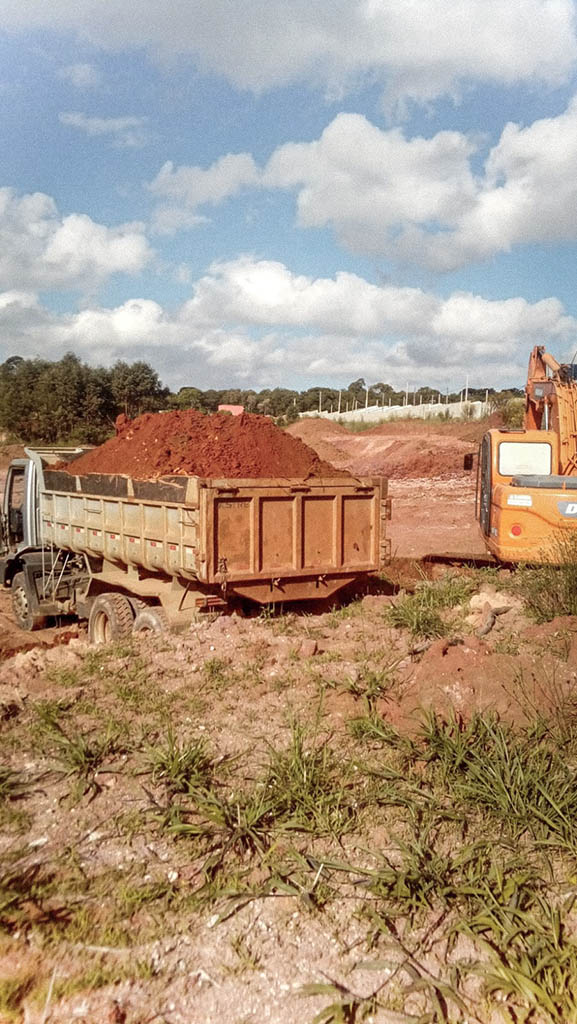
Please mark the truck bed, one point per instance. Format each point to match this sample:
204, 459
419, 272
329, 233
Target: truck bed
264, 539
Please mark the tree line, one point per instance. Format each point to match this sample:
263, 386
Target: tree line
48, 402
67, 401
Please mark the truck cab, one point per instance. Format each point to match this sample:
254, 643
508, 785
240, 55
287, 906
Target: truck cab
24, 561
19, 518
12, 514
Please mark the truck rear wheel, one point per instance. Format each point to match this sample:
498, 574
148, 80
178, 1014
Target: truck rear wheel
151, 620
111, 618
23, 605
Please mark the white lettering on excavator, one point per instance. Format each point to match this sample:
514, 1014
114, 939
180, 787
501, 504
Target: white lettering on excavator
567, 508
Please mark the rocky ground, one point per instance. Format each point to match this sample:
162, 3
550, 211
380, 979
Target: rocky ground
361, 814
194, 828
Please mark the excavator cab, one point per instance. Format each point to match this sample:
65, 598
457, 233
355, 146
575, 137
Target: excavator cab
510, 463
527, 483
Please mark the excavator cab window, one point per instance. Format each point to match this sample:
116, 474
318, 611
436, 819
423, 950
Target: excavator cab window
518, 458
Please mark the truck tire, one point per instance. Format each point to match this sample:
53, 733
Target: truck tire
23, 605
151, 620
111, 618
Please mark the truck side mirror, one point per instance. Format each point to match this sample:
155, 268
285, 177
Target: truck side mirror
468, 462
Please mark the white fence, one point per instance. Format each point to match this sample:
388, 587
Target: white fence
375, 413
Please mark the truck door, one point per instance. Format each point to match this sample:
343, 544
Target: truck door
485, 486
14, 506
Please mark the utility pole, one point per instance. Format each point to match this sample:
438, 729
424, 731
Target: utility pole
367, 399
340, 396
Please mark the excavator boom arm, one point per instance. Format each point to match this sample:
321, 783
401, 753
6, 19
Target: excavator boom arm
551, 403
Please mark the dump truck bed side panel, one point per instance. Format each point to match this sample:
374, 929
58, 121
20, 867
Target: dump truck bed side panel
220, 530
260, 532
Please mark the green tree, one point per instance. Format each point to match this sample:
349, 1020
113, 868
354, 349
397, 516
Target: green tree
19, 381
136, 388
188, 398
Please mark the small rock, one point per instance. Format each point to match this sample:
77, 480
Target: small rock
492, 598
308, 648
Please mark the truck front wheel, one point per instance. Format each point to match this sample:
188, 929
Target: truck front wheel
23, 605
111, 618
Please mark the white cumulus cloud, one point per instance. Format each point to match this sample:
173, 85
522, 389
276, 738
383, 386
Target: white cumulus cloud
411, 200
125, 132
419, 50
417, 200
256, 323
528, 194
183, 189
41, 249
368, 183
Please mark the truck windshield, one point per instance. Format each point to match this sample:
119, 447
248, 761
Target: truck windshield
518, 458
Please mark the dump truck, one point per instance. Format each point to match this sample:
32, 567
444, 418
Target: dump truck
527, 478
134, 555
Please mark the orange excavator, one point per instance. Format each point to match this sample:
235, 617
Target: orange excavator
527, 478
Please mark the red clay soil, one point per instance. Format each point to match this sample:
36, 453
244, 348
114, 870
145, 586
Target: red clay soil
396, 450
188, 443
325, 437
417, 456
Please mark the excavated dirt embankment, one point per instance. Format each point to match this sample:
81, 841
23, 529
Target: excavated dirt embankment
396, 450
433, 498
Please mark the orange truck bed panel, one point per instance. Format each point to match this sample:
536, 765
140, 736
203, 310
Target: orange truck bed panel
253, 536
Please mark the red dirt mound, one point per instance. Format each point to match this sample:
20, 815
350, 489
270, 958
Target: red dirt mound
325, 437
416, 456
189, 443
312, 426
396, 450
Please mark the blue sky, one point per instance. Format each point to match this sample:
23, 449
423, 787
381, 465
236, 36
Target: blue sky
290, 193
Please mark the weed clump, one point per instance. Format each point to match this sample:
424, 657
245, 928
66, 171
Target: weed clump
420, 612
551, 589
180, 766
308, 787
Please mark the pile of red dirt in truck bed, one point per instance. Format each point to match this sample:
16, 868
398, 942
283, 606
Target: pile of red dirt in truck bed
188, 443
